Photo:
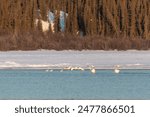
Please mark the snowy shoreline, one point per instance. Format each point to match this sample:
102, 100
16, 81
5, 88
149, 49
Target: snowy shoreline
51, 59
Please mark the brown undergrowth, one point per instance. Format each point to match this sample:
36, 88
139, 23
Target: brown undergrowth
37, 40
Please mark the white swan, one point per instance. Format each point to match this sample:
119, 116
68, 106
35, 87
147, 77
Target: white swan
67, 68
74, 68
49, 70
61, 70
116, 69
92, 69
77, 68
80, 68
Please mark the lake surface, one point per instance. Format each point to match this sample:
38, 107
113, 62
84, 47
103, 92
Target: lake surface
105, 84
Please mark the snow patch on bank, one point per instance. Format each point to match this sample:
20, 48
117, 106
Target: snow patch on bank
44, 59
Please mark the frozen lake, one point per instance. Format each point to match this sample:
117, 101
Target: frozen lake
131, 59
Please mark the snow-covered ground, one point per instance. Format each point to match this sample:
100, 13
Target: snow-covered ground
130, 59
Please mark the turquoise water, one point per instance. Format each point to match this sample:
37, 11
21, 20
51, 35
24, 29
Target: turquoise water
105, 84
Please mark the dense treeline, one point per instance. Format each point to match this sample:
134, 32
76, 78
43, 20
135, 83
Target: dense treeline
104, 24
17, 15
107, 17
